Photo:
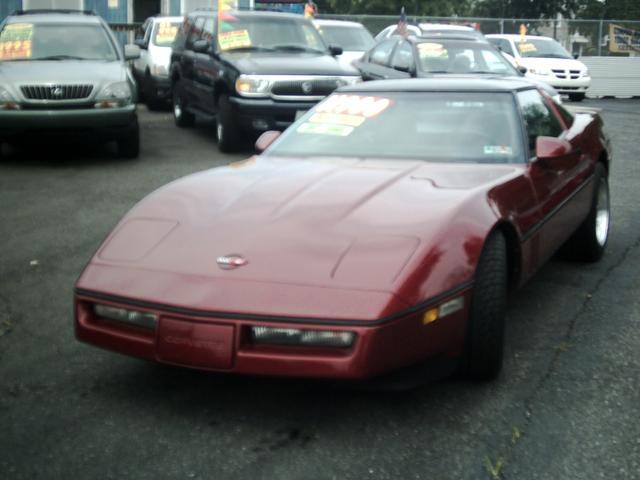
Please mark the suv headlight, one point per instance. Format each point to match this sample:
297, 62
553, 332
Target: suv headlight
160, 70
114, 95
253, 86
585, 73
7, 101
540, 71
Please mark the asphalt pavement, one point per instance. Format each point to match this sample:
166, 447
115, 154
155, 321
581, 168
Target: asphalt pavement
567, 405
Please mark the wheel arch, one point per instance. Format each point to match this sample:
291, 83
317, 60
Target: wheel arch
514, 252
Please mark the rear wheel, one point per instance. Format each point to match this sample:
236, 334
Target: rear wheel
181, 116
485, 328
226, 128
589, 242
577, 97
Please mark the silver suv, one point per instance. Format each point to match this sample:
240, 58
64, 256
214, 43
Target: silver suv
63, 72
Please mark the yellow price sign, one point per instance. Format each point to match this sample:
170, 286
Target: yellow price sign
234, 39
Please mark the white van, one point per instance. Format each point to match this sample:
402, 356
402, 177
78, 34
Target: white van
546, 60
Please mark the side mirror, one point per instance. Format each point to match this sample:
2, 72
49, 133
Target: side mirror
131, 52
266, 139
523, 70
551, 148
201, 46
141, 43
336, 50
410, 69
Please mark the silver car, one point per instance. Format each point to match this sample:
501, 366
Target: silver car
151, 70
64, 73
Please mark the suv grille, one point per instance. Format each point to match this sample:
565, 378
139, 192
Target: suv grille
304, 88
56, 92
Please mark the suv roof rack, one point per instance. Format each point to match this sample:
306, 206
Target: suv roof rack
37, 11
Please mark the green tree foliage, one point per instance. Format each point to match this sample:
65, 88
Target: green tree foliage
609, 9
525, 8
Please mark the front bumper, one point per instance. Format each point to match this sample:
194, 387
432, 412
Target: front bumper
162, 86
111, 122
566, 85
211, 343
259, 115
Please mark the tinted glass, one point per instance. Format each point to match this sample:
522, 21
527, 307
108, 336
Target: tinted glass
196, 31
382, 52
537, 47
27, 41
272, 33
403, 57
503, 45
538, 118
165, 33
462, 58
348, 37
430, 126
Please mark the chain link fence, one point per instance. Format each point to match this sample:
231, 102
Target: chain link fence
582, 37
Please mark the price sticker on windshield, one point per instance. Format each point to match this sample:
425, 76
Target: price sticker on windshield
167, 33
527, 47
234, 39
432, 50
15, 41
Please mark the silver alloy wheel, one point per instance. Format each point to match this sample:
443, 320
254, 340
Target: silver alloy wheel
602, 212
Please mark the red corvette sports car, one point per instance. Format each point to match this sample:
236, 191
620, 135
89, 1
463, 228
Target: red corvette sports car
382, 230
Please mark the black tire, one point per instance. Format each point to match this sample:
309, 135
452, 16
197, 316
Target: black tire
181, 116
226, 127
577, 97
589, 241
151, 98
485, 328
129, 145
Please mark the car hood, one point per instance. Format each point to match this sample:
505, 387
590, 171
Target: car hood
552, 63
323, 225
66, 71
258, 63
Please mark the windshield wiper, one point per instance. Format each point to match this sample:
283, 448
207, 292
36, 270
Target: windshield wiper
59, 57
252, 48
296, 48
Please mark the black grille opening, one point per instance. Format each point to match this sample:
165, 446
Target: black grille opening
56, 92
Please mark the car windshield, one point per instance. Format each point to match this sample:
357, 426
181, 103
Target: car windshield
28, 41
432, 126
165, 33
541, 47
350, 38
268, 33
462, 58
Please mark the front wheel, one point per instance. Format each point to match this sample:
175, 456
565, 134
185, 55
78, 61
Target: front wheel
129, 145
485, 328
151, 94
226, 128
181, 116
589, 242
577, 97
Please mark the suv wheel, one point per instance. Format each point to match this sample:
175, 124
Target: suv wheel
226, 128
182, 117
129, 144
576, 97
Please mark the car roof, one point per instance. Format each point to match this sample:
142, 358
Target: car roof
337, 23
55, 17
246, 13
159, 18
462, 40
444, 26
515, 36
452, 84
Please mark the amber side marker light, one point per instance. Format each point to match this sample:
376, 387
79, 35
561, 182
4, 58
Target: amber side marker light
447, 308
131, 317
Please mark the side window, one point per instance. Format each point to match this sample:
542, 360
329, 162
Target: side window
208, 30
382, 52
538, 118
148, 27
195, 32
403, 57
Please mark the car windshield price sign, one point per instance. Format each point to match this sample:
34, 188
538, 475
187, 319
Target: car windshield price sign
15, 41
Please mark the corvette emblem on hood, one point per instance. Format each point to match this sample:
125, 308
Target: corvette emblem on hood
228, 262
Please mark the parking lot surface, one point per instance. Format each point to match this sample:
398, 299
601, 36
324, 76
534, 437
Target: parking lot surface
567, 405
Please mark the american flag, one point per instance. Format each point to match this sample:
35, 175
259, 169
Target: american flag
402, 24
